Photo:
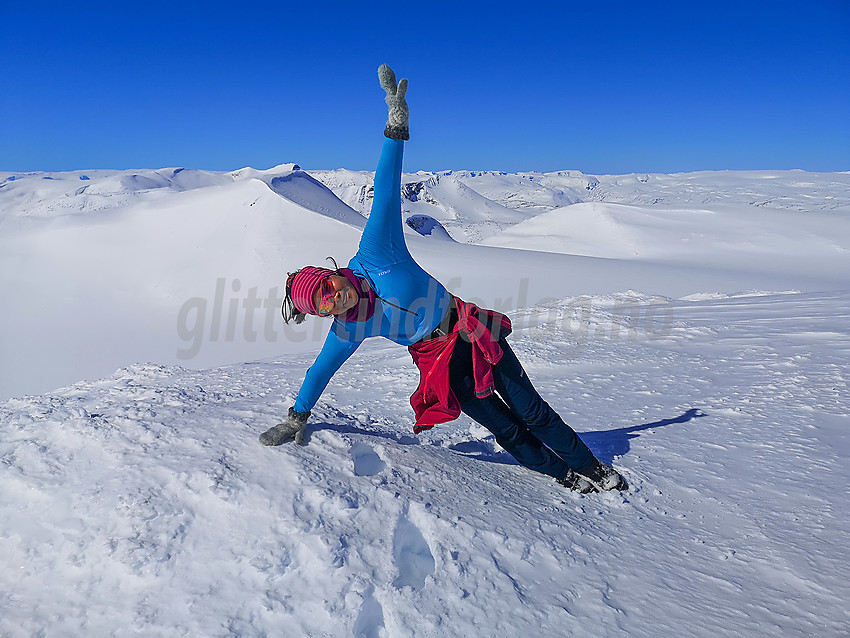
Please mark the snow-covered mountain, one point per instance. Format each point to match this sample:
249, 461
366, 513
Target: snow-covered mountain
461, 200
107, 268
693, 328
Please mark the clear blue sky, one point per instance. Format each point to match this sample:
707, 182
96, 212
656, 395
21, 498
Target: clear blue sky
603, 87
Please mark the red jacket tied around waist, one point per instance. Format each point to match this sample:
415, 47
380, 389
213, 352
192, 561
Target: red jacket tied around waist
433, 401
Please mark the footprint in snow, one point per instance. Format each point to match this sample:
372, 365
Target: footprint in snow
370, 620
412, 555
366, 460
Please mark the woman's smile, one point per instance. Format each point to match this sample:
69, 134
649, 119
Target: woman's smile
336, 296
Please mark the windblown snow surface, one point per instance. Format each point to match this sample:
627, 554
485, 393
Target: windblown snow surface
692, 328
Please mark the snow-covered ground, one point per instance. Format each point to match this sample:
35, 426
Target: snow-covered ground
693, 328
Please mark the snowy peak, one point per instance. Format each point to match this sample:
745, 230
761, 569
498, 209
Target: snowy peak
253, 173
530, 192
47, 195
177, 179
56, 194
302, 189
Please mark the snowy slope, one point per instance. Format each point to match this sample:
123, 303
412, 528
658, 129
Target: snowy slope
139, 501
142, 503
100, 286
780, 241
108, 268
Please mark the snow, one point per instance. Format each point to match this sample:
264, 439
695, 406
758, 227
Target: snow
692, 328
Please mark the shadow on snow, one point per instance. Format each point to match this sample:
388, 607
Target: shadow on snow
344, 424
605, 444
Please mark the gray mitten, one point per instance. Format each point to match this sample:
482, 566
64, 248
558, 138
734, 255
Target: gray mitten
293, 427
399, 115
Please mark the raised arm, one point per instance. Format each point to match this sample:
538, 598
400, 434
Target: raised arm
382, 241
382, 244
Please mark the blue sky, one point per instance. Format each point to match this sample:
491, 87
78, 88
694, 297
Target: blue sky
605, 87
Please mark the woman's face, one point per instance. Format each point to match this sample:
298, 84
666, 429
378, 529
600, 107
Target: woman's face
337, 295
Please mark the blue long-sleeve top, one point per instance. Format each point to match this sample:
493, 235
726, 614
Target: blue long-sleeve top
410, 303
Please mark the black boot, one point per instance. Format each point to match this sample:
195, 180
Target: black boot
577, 483
604, 477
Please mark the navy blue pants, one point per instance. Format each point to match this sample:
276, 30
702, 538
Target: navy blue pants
522, 422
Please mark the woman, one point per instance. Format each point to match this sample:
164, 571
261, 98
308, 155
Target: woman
460, 349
